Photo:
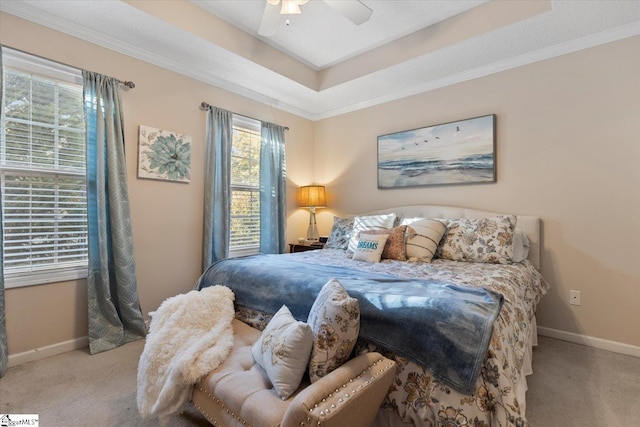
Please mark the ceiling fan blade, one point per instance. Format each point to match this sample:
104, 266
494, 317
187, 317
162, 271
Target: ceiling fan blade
354, 10
270, 20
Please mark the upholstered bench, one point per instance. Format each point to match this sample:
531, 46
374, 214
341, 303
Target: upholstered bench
238, 392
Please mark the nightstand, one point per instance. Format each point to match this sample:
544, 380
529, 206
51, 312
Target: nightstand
303, 247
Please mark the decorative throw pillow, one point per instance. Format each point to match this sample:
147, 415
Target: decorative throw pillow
370, 222
370, 247
335, 322
423, 238
340, 233
395, 246
283, 351
487, 240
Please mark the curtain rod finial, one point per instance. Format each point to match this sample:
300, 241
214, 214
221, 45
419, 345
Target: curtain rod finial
204, 106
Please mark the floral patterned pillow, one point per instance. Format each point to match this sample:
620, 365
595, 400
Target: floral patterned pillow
487, 240
340, 233
283, 351
395, 247
335, 322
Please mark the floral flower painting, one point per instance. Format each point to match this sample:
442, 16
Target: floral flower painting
164, 155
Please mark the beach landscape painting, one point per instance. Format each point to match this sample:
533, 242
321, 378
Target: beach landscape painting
461, 152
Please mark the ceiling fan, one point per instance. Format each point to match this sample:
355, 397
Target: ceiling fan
354, 10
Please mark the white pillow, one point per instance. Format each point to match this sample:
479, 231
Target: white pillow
423, 237
520, 246
370, 247
410, 220
369, 222
283, 351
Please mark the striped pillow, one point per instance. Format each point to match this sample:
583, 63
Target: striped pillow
370, 222
423, 237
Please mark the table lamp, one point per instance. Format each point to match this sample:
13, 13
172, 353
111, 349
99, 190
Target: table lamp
312, 197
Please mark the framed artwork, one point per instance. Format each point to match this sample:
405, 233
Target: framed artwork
462, 152
164, 155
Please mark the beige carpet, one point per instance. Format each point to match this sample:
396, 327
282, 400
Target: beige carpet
78, 389
572, 386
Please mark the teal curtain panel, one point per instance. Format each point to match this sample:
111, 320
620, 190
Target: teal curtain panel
115, 317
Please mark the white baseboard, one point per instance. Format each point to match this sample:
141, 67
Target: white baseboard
75, 344
47, 351
614, 346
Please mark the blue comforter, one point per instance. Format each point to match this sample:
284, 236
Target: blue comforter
444, 327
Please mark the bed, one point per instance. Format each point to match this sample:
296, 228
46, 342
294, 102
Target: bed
436, 383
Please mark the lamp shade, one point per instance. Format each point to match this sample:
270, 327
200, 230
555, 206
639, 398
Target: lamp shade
312, 196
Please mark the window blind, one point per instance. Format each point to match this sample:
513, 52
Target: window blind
42, 166
245, 185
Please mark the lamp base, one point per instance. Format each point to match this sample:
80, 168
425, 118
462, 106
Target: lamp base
312, 230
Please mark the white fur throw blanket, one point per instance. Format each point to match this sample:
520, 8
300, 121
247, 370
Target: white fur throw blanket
190, 335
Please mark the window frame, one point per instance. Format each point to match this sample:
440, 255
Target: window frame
49, 70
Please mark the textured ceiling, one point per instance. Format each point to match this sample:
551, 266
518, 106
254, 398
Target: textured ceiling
322, 65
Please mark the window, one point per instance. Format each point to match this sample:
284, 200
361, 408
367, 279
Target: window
245, 186
42, 168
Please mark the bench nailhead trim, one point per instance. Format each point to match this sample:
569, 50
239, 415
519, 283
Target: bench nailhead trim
216, 400
347, 395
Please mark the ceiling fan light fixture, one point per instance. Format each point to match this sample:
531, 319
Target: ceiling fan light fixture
290, 7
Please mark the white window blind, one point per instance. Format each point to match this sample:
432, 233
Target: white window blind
245, 186
42, 167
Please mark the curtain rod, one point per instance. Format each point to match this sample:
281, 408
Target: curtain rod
204, 106
126, 83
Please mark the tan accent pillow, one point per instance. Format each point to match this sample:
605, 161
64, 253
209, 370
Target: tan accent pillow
334, 319
395, 248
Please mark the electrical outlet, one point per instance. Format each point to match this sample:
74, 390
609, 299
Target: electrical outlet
574, 297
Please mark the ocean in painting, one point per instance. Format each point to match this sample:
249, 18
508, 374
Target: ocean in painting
452, 153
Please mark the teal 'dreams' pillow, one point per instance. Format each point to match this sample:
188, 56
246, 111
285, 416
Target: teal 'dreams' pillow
370, 247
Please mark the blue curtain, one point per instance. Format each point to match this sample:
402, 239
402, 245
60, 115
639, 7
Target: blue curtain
4, 351
115, 317
273, 189
217, 186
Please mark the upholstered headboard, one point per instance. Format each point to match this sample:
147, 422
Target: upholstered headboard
529, 224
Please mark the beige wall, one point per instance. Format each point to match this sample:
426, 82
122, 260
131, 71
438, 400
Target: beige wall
568, 150
167, 217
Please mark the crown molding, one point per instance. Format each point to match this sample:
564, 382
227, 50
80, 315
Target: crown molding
593, 40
